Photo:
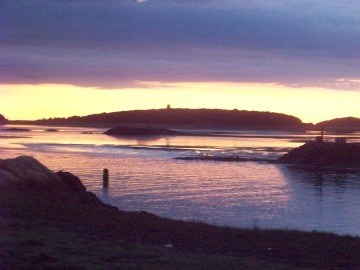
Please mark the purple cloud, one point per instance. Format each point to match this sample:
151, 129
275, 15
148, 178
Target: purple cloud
114, 44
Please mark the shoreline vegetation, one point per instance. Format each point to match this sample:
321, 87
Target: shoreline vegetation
49, 221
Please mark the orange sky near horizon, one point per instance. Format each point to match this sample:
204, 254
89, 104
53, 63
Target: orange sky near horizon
311, 105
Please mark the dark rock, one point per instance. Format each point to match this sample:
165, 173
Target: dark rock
25, 176
225, 159
52, 130
324, 154
17, 129
25, 171
71, 181
140, 131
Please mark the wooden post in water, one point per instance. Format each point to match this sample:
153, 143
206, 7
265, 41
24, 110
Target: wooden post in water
320, 138
105, 178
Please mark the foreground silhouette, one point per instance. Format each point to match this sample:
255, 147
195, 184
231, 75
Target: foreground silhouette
34, 200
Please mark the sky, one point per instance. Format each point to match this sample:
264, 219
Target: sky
65, 58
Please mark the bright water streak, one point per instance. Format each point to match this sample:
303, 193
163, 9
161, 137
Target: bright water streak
145, 177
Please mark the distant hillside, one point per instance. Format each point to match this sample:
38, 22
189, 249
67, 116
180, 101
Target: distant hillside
2, 119
345, 124
186, 117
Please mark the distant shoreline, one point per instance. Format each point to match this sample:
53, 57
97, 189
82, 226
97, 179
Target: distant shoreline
168, 126
171, 118
192, 118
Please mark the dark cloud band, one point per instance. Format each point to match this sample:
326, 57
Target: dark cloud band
113, 43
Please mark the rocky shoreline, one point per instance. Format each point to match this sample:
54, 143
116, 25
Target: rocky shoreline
330, 154
311, 154
34, 199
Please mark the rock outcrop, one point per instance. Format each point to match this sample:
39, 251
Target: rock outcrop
17, 129
25, 173
140, 131
332, 154
71, 181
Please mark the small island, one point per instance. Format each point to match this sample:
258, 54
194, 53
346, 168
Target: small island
140, 131
17, 129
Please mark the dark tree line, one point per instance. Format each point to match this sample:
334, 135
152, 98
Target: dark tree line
195, 117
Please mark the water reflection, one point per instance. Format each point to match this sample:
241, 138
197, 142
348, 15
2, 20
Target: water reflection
323, 177
137, 140
325, 199
105, 194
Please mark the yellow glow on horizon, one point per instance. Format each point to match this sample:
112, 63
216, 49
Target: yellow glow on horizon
30, 102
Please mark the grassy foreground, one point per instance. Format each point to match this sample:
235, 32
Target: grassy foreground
44, 230
41, 246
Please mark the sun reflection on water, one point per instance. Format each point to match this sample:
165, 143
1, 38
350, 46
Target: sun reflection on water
145, 177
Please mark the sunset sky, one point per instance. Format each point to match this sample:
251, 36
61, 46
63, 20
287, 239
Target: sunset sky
64, 58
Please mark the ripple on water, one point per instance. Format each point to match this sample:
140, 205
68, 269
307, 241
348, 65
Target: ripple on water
241, 194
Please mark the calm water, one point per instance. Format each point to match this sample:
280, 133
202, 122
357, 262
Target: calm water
145, 177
